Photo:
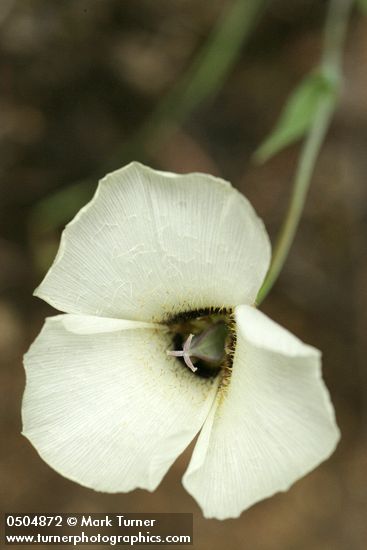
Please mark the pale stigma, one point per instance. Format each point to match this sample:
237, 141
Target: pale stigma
185, 353
208, 348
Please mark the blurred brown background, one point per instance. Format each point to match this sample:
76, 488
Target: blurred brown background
77, 79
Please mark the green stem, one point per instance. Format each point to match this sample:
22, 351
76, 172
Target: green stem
335, 31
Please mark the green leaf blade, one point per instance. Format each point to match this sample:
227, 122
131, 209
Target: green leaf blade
362, 4
297, 115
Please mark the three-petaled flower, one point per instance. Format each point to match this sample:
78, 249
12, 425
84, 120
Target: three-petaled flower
152, 260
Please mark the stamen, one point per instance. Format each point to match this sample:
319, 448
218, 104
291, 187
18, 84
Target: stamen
185, 353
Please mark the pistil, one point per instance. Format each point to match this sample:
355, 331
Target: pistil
185, 353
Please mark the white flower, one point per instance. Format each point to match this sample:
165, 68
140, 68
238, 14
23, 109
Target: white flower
106, 405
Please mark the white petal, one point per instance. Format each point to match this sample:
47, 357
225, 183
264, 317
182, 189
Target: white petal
89, 324
272, 425
151, 244
110, 410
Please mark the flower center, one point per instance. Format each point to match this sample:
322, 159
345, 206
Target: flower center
203, 341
